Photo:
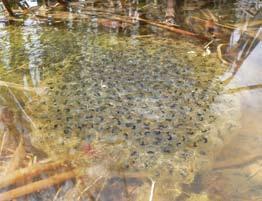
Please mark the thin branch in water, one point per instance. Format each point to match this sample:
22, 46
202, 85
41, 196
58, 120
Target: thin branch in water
31, 171
36, 186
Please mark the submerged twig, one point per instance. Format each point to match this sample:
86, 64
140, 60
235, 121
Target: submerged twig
31, 171
36, 186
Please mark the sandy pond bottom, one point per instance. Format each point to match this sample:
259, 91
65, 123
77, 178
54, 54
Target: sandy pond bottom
144, 118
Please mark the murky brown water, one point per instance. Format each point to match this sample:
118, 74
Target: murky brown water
139, 113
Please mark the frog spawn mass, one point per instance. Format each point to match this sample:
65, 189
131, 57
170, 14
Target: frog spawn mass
129, 94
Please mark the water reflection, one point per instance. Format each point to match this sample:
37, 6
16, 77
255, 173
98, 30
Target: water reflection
33, 48
5, 46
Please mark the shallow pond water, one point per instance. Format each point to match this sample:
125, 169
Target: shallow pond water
142, 113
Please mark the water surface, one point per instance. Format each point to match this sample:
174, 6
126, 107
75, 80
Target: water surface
145, 113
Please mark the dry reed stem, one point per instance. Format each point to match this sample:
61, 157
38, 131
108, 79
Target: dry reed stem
31, 171
36, 186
